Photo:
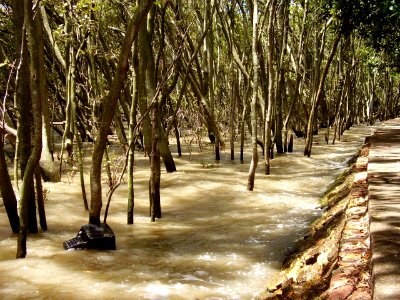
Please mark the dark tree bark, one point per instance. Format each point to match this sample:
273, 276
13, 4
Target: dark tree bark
131, 135
7, 191
155, 173
40, 200
23, 107
32, 23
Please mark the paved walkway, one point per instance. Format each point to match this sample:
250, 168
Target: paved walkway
384, 209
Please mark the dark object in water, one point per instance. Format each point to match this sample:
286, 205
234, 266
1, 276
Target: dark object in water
92, 237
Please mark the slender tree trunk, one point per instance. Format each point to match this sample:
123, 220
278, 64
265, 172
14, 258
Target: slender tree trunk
281, 93
119, 128
47, 165
131, 135
110, 103
242, 133
68, 135
40, 200
31, 25
271, 88
49, 34
209, 45
23, 105
254, 160
318, 97
155, 174
299, 59
234, 95
142, 94
81, 171
7, 191
177, 136
371, 89
151, 87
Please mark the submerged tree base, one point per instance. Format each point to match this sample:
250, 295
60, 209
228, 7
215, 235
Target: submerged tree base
337, 242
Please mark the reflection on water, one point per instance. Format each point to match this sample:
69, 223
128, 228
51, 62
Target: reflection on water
215, 240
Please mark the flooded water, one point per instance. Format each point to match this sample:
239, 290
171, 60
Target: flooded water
215, 240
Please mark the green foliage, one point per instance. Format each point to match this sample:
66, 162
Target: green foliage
381, 28
377, 21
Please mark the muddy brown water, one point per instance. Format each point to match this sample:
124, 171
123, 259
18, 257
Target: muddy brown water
215, 240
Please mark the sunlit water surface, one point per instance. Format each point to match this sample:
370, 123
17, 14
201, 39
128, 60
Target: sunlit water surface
215, 240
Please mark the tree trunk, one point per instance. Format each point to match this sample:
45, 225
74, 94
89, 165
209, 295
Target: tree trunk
155, 174
234, 95
147, 73
209, 58
32, 23
40, 199
254, 160
70, 84
156, 130
177, 136
7, 191
317, 98
119, 128
110, 103
81, 171
242, 132
48, 167
371, 89
131, 134
22, 97
297, 64
281, 92
49, 34
142, 94
271, 88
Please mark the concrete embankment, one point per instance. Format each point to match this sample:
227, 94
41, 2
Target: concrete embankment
353, 251
333, 260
